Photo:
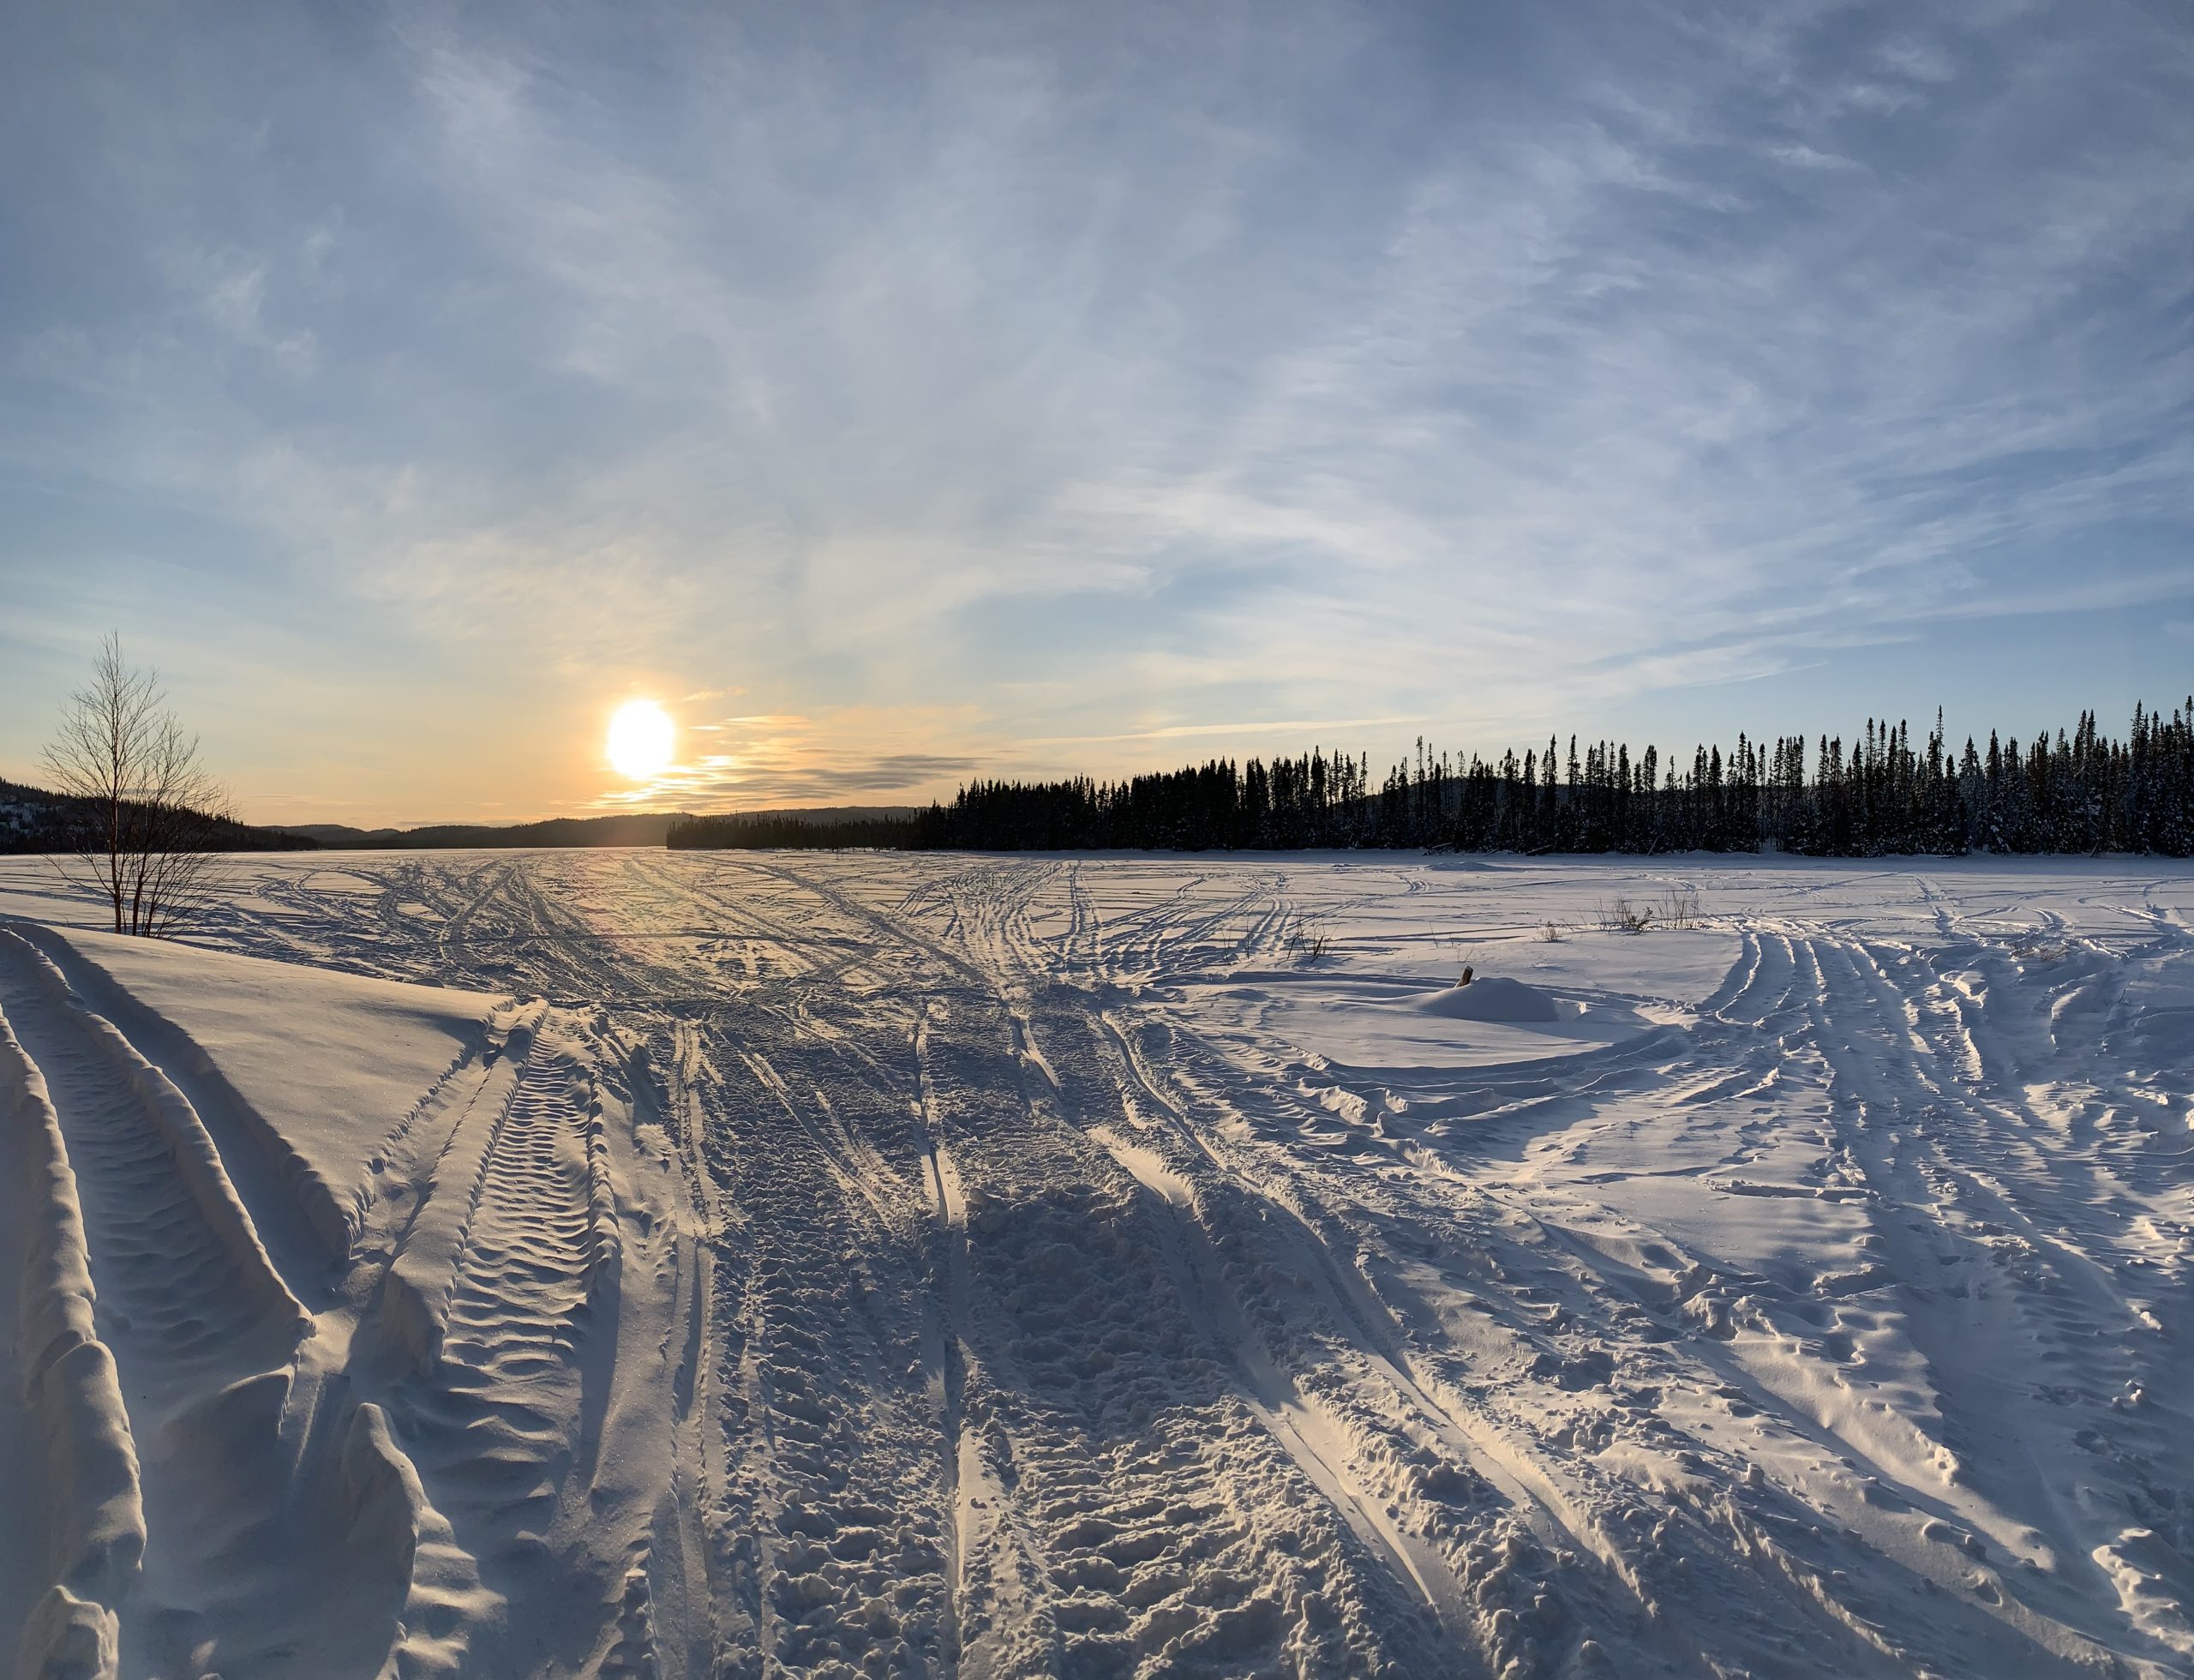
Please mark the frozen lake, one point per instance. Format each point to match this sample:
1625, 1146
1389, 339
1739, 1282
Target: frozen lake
694, 1264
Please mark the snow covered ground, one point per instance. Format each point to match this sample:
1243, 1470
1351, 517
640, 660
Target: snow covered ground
685, 1264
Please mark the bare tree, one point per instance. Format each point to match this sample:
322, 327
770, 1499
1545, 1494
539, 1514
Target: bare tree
147, 813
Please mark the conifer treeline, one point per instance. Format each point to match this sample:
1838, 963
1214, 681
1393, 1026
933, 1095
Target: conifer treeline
2076, 792
782, 833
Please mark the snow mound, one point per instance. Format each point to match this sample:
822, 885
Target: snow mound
1495, 997
316, 1067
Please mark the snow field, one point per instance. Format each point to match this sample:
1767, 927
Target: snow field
690, 1264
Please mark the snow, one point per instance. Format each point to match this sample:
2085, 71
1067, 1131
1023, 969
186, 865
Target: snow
353, 1057
683, 1264
1495, 998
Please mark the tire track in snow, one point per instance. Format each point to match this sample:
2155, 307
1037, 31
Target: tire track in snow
1299, 1426
1577, 1508
2020, 1094
1470, 1443
204, 1332
949, 1267
1889, 1100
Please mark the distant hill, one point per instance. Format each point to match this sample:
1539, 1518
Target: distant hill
649, 828
32, 820
636, 831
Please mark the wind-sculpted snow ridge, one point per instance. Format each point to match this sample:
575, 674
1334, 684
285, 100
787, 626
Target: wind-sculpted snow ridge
78, 1510
831, 1265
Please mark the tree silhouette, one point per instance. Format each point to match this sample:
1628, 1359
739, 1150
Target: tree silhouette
144, 810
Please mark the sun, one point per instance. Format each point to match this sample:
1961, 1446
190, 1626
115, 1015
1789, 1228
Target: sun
640, 737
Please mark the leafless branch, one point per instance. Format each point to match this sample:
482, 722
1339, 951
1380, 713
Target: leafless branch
146, 811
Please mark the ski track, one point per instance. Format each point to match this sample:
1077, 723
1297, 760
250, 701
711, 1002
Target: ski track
841, 1265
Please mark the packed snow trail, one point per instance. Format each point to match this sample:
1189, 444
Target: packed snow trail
838, 1264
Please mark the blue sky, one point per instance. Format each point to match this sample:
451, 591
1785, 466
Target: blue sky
898, 392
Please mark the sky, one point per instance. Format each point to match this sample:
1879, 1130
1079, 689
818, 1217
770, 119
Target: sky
900, 393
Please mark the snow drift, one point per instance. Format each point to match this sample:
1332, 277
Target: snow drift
78, 1523
1489, 997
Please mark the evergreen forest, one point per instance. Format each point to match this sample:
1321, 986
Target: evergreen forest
1883, 795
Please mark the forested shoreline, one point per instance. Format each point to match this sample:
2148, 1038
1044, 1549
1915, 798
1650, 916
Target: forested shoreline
2070, 793
34, 820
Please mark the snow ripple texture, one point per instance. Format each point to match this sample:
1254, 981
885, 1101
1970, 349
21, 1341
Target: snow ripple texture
861, 1265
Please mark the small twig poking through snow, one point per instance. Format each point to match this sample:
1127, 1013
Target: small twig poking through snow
1680, 909
1624, 917
1307, 942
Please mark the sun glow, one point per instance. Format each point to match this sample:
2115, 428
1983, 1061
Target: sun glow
640, 737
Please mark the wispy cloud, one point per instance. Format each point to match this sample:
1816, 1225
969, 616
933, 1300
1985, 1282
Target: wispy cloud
1087, 379
755, 762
